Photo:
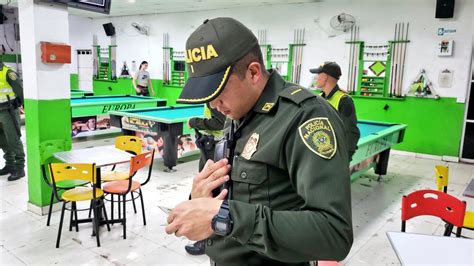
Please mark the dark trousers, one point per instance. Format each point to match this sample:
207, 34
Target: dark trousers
10, 141
143, 91
206, 145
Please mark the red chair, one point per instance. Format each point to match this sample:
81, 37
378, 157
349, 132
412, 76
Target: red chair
434, 203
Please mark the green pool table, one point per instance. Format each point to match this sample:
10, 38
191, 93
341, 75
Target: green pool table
376, 139
80, 93
89, 113
168, 122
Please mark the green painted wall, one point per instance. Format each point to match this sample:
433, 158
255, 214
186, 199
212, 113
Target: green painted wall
121, 86
10, 58
171, 93
434, 126
74, 82
46, 120
124, 86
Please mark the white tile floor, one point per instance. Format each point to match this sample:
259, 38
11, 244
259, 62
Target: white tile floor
25, 239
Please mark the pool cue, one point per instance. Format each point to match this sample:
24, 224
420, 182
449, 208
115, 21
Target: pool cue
349, 72
403, 59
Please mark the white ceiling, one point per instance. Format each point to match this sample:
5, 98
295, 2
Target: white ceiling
142, 7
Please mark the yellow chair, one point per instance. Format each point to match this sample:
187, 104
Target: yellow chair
442, 181
47, 150
129, 144
442, 178
85, 172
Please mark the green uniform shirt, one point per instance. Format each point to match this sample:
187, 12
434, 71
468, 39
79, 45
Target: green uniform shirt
213, 124
348, 115
291, 200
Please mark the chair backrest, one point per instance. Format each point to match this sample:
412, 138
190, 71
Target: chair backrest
434, 203
442, 177
50, 147
72, 171
129, 144
47, 150
140, 161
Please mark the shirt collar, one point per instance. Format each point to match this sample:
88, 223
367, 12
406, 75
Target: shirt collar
269, 97
331, 93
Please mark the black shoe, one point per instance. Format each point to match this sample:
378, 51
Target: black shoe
198, 248
16, 175
6, 170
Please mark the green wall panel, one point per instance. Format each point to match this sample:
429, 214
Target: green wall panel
10, 58
171, 93
74, 82
121, 86
434, 126
45, 120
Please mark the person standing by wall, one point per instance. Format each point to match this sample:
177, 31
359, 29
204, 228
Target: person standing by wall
142, 82
11, 98
208, 133
326, 78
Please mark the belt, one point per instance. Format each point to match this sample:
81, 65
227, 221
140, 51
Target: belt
6, 90
5, 100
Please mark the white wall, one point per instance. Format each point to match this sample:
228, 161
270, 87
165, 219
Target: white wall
80, 37
376, 19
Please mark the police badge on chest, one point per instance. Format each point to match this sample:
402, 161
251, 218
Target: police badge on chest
251, 146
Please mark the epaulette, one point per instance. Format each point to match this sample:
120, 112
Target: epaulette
296, 94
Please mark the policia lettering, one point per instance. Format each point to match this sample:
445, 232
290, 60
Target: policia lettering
11, 98
200, 53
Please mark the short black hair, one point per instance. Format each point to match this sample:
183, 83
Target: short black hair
254, 55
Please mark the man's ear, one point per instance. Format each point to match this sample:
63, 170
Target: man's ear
255, 72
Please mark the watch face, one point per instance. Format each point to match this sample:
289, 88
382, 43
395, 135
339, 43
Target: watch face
221, 226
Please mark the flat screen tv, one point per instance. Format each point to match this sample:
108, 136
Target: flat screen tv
99, 6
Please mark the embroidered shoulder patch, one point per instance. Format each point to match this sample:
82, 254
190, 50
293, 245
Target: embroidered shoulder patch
318, 136
12, 75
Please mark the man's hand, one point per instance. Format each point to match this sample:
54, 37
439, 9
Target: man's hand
193, 218
212, 176
189, 125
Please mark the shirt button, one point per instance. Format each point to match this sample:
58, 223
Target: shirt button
237, 135
243, 175
209, 242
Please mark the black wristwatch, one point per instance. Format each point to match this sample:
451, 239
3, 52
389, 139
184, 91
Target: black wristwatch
222, 222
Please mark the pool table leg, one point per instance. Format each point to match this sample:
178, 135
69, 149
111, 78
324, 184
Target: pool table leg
382, 164
170, 152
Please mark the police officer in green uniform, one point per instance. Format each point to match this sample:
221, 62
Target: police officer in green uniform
288, 199
208, 132
327, 76
11, 98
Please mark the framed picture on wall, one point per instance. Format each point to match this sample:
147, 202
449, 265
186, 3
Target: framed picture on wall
445, 48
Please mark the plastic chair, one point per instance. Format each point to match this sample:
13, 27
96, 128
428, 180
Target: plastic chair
129, 144
442, 177
122, 187
47, 150
442, 180
434, 203
85, 172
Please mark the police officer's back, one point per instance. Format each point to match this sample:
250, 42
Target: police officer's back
327, 76
11, 98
